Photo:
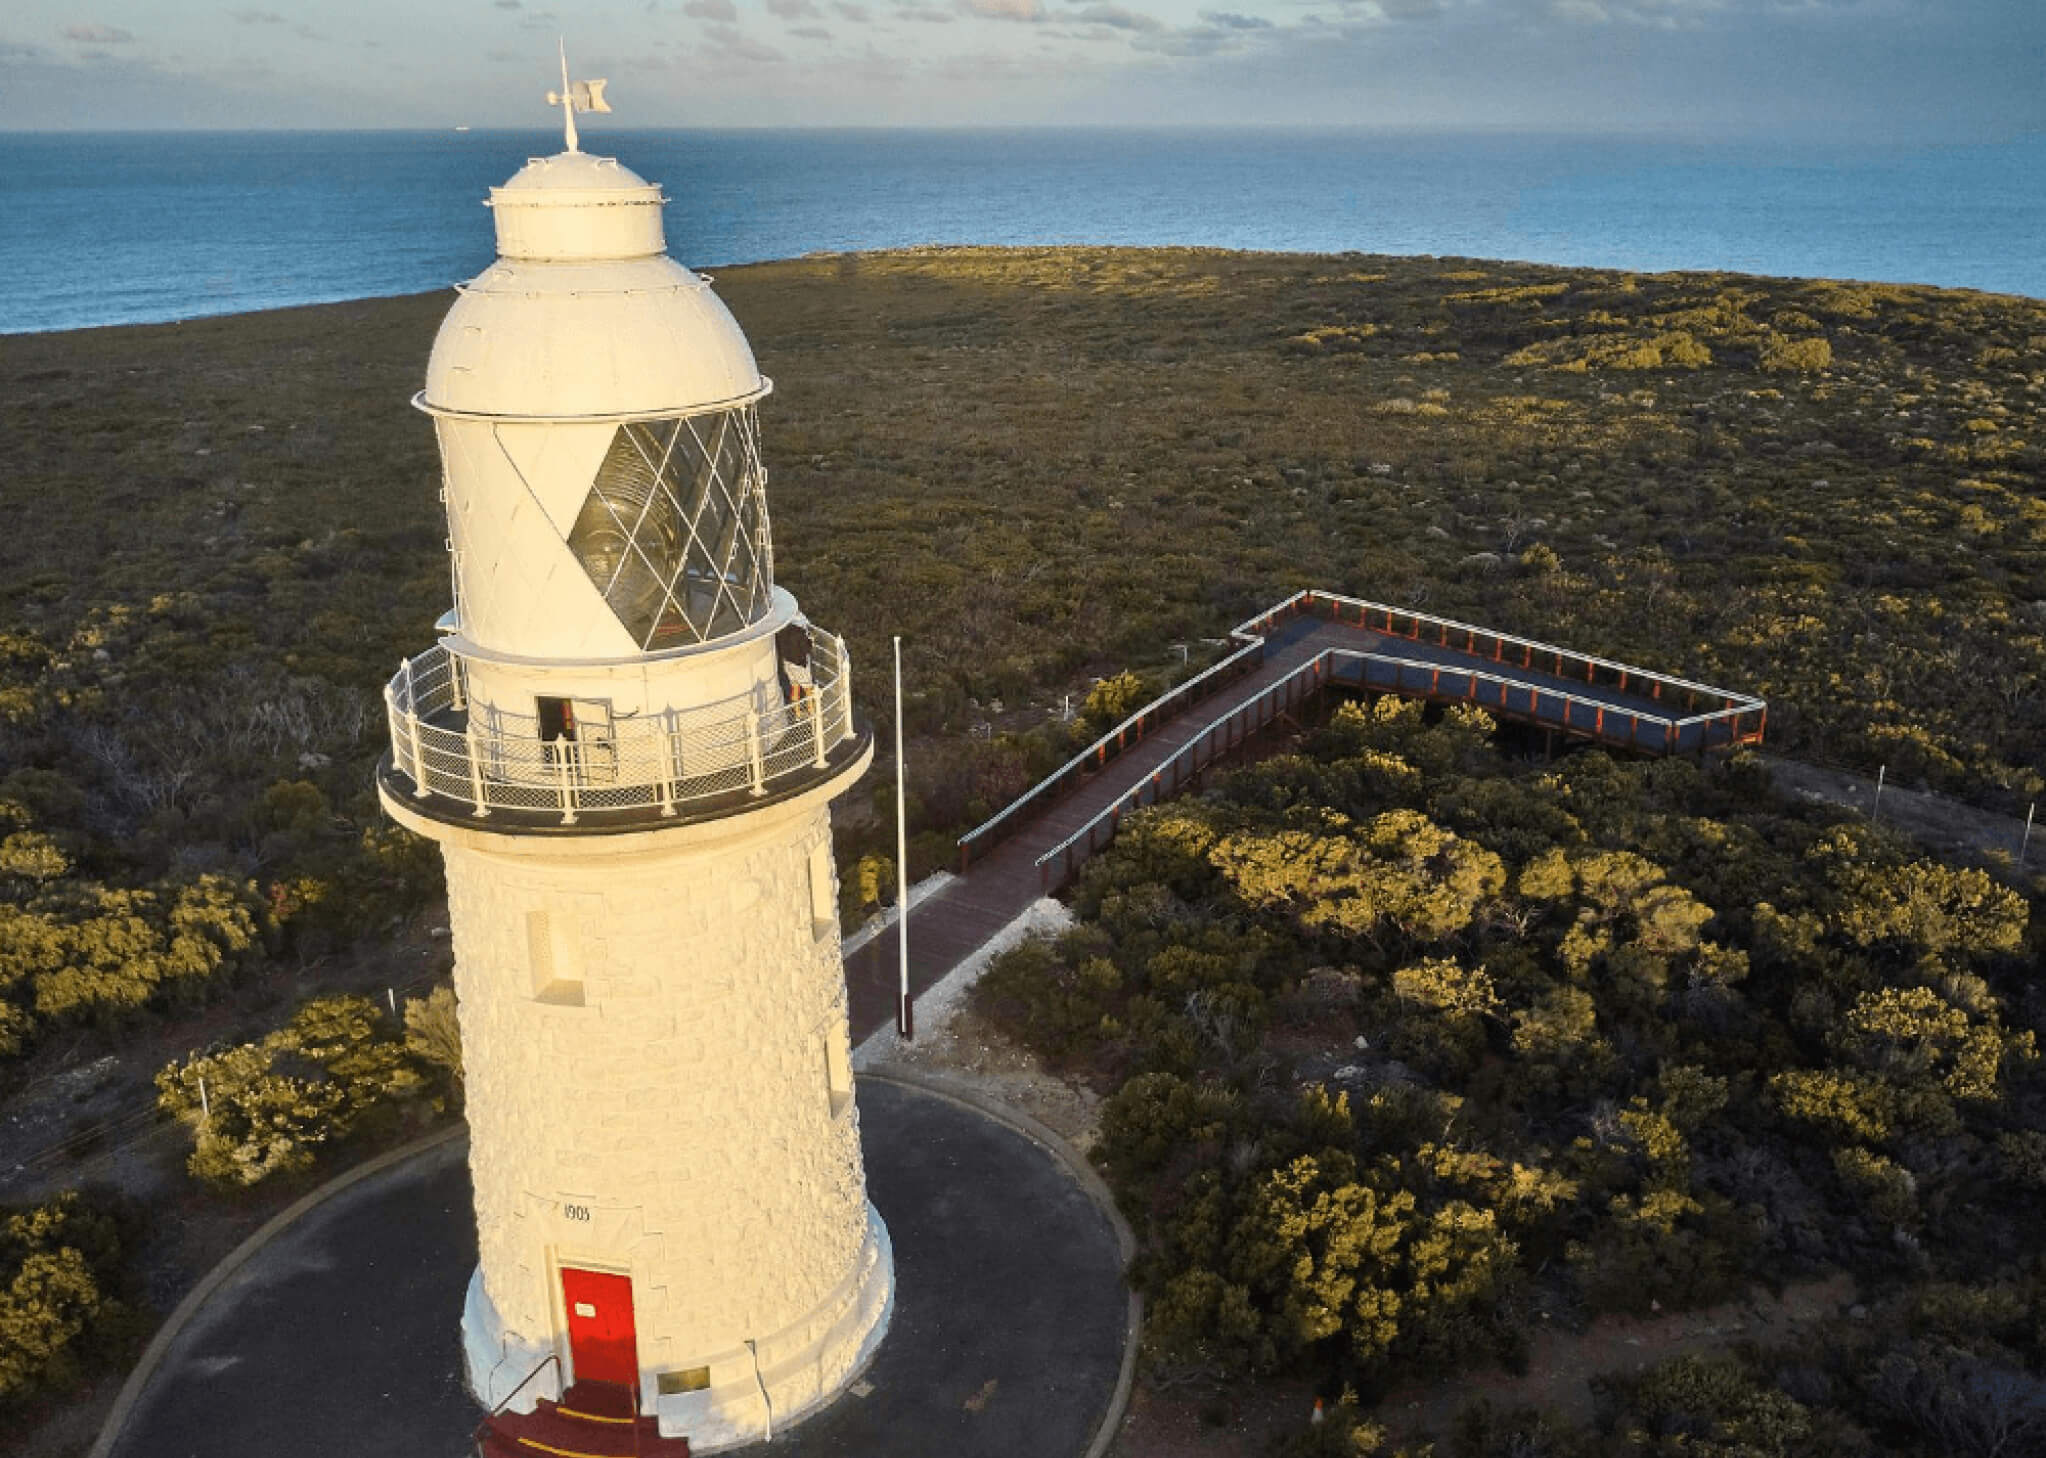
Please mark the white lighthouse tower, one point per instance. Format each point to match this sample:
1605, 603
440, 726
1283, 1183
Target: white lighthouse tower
625, 743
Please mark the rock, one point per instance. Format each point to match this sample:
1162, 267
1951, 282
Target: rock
313, 761
1857, 1312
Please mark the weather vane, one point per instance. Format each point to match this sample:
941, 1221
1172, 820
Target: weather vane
575, 97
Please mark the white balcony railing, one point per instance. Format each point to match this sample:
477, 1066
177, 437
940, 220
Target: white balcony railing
487, 758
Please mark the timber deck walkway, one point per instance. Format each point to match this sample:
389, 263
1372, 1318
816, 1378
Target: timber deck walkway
1296, 650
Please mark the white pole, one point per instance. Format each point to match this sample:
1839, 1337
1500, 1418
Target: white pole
205, 1106
905, 1019
1876, 808
391, 996
2026, 844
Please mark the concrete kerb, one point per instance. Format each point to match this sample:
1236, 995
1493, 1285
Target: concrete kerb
881, 920
966, 1095
196, 1299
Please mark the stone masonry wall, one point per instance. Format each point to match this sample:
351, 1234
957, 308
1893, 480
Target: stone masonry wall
680, 1124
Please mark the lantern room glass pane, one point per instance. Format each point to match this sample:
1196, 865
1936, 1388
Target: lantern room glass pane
674, 530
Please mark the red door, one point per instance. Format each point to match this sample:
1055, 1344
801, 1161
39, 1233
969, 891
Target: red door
601, 1345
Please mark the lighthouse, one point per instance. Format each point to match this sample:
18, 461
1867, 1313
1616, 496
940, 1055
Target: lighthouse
625, 741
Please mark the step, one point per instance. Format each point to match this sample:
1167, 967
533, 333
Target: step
591, 1420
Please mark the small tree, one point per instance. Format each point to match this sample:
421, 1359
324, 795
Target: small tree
1113, 700
433, 1033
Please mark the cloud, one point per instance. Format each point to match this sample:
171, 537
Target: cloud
794, 9
923, 15
1230, 20
93, 34
734, 44
857, 14
255, 17
1115, 17
810, 32
510, 4
1202, 40
1030, 11
722, 11
1661, 14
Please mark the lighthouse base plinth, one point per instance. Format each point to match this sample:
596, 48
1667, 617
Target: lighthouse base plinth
756, 1390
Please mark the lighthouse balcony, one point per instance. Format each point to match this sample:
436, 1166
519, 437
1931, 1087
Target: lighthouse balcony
453, 758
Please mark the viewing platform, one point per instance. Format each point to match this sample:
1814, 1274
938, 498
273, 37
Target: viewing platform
1315, 640
1287, 655
459, 761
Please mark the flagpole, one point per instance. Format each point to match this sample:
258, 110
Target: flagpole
905, 1016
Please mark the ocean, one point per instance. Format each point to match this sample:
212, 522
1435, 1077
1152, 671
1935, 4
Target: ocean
148, 226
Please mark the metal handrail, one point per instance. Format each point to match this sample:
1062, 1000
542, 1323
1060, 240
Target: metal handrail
1117, 737
1253, 633
476, 1438
1315, 668
1132, 799
1309, 597
1537, 692
496, 758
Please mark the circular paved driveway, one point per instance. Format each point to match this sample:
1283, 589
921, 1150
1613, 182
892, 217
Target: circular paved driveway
340, 1339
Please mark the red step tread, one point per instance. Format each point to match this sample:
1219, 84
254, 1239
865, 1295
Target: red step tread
592, 1420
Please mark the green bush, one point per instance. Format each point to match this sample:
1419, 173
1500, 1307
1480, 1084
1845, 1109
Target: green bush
267, 1108
65, 1312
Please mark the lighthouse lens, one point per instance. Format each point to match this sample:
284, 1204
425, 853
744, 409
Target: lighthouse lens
674, 530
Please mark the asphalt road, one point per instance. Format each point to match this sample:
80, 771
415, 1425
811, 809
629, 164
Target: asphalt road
340, 1338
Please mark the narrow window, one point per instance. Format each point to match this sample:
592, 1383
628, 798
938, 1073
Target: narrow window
551, 954
823, 892
837, 1072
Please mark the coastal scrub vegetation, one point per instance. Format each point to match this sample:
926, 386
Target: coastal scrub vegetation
1041, 466
1409, 1046
338, 1068
66, 1303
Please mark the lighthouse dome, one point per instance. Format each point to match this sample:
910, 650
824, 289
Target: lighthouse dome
583, 315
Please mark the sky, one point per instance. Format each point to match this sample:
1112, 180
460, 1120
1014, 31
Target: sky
1934, 71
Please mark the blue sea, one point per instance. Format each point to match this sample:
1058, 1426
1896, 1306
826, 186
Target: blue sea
149, 226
